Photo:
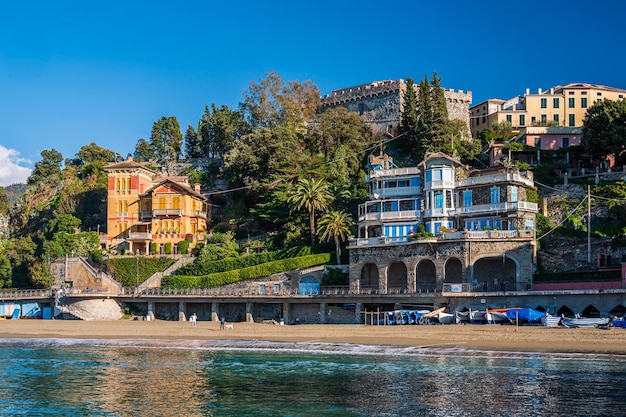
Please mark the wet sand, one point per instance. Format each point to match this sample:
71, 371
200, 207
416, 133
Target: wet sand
483, 337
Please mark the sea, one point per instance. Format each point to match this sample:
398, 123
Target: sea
77, 377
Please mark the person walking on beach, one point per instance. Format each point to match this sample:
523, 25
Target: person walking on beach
222, 321
193, 319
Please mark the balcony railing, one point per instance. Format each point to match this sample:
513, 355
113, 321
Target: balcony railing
199, 213
491, 179
397, 191
395, 172
140, 236
437, 185
390, 215
471, 234
122, 214
167, 212
497, 208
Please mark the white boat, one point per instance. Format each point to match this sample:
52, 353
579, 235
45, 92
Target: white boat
584, 322
446, 318
550, 321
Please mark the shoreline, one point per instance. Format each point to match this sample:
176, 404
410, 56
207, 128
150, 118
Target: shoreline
498, 338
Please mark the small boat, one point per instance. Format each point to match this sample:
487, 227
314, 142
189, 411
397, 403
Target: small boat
445, 318
619, 322
574, 322
550, 321
525, 315
478, 317
462, 316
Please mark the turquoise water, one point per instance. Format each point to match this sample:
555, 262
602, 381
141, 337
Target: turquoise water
58, 377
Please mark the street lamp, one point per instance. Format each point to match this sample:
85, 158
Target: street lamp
137, 272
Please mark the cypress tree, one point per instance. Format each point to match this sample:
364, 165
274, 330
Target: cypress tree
425, 119
409, 119
440, 126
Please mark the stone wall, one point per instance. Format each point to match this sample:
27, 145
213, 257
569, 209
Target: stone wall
380, 103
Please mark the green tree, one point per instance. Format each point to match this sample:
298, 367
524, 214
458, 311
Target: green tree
424, 120
604, 129
6, 271
166, 140
192, 148
272, 102
336, 225
144, 152
441, 134
48, 170
218, 128
4, 202
312, 195
409, 119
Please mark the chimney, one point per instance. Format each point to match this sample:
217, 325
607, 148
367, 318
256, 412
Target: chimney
539, 91
196, 188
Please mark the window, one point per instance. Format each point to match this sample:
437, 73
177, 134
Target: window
583, 102
572, 120
522, 120
538, 143
566, 142
495, 195
509, 118
571, 102
544, 103
514, 194
361, 108
555, 103
544, 118
439, 200
467, 198
555, 118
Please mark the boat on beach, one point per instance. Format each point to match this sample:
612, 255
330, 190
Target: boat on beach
551, 321
574, 322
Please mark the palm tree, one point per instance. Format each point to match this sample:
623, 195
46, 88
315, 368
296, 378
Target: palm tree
336, 224
312, 195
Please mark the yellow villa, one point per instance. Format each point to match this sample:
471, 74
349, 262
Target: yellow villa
146, 211
564, 106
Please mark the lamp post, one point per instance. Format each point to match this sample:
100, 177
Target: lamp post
137, 272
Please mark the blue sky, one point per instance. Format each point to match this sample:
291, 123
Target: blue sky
76, 72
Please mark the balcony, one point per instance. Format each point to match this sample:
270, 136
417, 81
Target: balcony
140, 236
122, 214
438, 185
464, 235
439, 212
199, 213
167, 212
501, 178
395, 172
397, 191
390, 215
496, 208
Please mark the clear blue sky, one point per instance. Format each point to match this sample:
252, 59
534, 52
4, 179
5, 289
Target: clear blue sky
76, 72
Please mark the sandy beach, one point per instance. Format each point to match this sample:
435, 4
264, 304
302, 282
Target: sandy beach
484, 337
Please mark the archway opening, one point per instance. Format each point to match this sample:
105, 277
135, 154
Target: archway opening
591, 312
426, 276
369, 277
565, 311
397, 278
618, 311
495, 274
453, 271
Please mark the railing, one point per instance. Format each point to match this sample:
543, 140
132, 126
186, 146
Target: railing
397, 191
496, 208
140, 235
439, 212
167, 212
199, 213
430, 185
27, 294
122, 214
390, 215
490, 179
394, 172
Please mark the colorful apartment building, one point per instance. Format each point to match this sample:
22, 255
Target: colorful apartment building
147, 212
482, 225
560, 106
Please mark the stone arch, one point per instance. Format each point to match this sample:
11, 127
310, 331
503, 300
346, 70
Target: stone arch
565, 311
426, 276
618, 311
496, 273
397, 277
453, 271
309, 285
369, 276
591, 311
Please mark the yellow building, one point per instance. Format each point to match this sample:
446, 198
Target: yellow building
559, 106
144, 208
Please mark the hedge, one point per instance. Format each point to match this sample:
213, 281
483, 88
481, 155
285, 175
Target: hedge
131, 271
235, 275
228, 264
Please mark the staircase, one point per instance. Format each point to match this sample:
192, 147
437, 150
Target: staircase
155, 280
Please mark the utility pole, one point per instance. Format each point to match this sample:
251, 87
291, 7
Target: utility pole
589, 224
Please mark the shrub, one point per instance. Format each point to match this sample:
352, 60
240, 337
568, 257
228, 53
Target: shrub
183, 246
167, 248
